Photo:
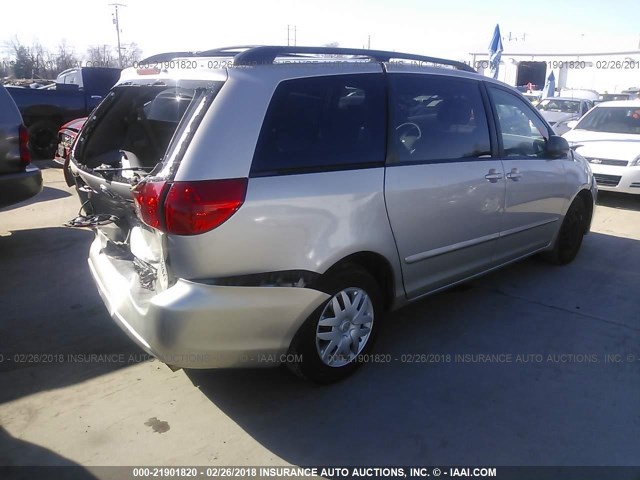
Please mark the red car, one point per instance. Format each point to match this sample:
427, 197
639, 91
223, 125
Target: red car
66, 135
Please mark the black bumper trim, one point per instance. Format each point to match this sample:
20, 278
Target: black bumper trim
283, 278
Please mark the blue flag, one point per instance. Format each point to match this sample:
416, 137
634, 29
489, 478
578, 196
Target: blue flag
495, 52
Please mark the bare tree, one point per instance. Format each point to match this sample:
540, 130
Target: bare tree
12, 46
101, 56
38, 62
66, 57
24, 66
130, 55
23, 62
44, 62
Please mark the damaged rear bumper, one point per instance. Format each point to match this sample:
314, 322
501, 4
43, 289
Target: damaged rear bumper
193, 325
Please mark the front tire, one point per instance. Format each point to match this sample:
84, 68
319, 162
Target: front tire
571, 234
332, 342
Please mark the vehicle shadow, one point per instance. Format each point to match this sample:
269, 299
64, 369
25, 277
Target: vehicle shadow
51, 312
35, 461
431, 398
47, 194
45, 163
624, 201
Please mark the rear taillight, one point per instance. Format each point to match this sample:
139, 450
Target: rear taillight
148, 198
23, 135
189, 208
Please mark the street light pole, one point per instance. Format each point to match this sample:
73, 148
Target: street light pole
116, 20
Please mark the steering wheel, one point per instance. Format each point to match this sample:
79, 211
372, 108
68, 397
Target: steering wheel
405, 136
149, 133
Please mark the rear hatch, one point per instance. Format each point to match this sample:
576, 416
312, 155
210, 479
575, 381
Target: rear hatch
136, 136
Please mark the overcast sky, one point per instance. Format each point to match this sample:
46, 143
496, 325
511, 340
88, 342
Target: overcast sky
441, 28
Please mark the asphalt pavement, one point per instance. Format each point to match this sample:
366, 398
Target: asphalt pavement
531, 365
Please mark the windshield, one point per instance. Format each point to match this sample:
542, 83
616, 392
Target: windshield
612, 120
609, 97
564, 106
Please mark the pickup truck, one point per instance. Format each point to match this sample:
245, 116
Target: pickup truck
75, 94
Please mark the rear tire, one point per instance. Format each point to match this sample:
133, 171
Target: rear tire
571, 233
338, 335
43, 139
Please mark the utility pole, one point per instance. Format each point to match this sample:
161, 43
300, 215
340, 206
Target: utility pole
292, 34
116, 21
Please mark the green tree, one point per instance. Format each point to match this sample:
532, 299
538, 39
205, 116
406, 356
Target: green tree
24, 66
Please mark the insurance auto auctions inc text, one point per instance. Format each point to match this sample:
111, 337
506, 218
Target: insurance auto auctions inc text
374, 472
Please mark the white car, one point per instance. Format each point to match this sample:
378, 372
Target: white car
609, 138
559, 111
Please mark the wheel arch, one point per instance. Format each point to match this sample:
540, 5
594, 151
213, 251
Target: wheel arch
587, 197
375, 264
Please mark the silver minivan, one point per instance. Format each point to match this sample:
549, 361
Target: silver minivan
267, 205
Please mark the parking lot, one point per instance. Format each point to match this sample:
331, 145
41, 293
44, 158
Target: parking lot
532, 365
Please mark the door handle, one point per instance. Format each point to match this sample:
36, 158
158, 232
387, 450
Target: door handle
493, 176
514, 174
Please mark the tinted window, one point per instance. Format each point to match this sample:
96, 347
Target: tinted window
436, 118
323, 122
523, 133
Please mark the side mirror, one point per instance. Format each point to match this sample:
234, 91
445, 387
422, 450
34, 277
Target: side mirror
557, 147
572, 124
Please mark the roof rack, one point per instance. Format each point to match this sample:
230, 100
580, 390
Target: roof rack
227, 51
266, 55
216, 52
165, 57
248, 55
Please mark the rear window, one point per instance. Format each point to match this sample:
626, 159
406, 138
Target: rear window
139, 120
323, 123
